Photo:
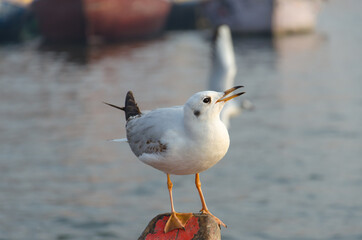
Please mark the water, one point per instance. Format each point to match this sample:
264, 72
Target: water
293, 170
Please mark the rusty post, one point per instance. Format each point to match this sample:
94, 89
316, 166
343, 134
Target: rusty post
199, 227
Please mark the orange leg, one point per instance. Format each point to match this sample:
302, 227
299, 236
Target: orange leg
169, 186
204, 209
176, 220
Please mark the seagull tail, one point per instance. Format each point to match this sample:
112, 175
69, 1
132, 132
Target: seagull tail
121, 108
131, 109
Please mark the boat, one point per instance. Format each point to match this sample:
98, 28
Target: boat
112, 20
125, 19
295, 16
60, 20
12, 18
267, 16
184, 15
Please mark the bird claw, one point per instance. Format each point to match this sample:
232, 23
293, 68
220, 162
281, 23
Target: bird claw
177, 221
219, 222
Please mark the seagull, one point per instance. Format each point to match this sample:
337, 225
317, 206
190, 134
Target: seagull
223, 72
223, 69
180, 140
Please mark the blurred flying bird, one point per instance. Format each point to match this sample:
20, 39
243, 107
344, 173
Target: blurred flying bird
223, 71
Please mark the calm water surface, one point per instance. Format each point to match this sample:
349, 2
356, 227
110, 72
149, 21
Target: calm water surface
293, 170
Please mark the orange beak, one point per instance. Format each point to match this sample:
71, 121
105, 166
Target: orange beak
224, 98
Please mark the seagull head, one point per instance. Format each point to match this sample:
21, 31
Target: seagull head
208, 104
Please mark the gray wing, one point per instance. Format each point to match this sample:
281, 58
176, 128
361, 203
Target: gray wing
145, 133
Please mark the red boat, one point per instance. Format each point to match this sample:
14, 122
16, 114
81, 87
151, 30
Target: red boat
60, 20
125, 19
77, 20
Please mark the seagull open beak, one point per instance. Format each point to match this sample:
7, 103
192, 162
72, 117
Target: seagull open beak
224, 98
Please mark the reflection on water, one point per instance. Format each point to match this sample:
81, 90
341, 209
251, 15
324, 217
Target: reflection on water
293, 170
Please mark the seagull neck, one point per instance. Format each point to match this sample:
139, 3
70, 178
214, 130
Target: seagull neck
200, 128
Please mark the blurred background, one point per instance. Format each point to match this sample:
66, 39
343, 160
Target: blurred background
293, 170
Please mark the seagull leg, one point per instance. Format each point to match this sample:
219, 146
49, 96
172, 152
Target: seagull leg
204, 209
176, 220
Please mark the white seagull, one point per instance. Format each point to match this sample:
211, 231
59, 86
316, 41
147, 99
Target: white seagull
223, 69
180, 140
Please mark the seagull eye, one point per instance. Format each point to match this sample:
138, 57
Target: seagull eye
207, 100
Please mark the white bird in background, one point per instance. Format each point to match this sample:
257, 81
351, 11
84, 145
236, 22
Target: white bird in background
223, 70
181, 140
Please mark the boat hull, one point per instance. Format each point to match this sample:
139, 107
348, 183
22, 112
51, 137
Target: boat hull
79, 20
125, 19
60, 20
263, 16
12, 19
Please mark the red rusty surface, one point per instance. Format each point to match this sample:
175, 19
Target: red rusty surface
191, 229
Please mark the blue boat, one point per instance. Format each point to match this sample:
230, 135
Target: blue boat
12, 19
